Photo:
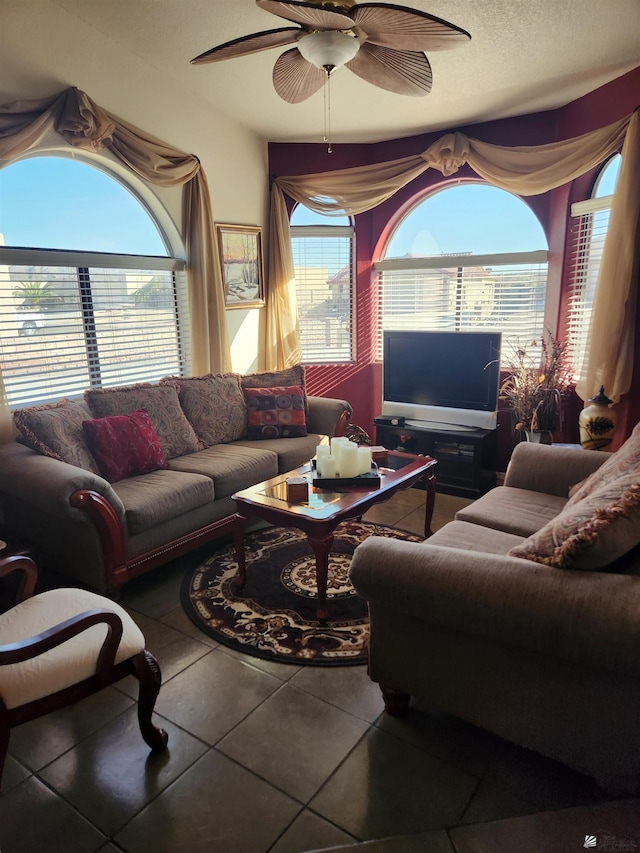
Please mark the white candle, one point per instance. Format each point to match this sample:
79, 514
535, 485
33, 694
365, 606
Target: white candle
348, 460
322, 451
336, 451
328, 467
364, 460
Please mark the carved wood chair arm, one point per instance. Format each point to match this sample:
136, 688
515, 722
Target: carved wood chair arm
18, 562
33, 646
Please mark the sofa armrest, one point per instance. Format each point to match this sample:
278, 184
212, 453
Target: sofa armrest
587, 618
549, 469
328, 416
48, 484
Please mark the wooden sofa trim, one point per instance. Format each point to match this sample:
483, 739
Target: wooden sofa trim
118, 570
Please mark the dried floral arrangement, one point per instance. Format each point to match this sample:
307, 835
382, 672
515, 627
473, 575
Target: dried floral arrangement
539, 378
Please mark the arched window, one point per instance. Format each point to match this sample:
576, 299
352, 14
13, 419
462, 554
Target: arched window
322, 259
590, 221
91, 286
466, 257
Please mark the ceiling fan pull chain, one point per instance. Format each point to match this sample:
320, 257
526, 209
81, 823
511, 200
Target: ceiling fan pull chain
327, 111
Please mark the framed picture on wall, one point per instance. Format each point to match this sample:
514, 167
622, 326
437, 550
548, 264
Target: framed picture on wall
240, 249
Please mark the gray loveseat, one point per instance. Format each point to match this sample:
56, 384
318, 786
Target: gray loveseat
55, 500
522, 616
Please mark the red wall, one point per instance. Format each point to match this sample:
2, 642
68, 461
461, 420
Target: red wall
360, 382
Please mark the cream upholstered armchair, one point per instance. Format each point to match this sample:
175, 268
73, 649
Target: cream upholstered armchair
62, 645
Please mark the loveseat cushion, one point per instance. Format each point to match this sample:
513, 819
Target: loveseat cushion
626, 460
159, 497
275, 412
231, 467
55, 430
214, 405
161, 402
471, 537
518, 511
124, 445
591, 533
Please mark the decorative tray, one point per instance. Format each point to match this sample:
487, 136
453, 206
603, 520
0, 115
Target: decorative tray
371, 480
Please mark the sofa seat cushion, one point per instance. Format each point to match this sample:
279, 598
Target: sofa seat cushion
174, 431
160, 496
68, 663
291, 452
471, 537
591, 533
229, 466
512, 510
214, 405
55, 430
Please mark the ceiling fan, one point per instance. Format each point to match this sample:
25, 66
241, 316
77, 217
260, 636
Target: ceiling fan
382, 43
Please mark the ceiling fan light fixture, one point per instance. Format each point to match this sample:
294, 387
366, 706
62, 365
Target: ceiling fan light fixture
328, 48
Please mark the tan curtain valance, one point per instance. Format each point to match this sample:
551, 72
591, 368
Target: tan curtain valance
524, 170
83, 124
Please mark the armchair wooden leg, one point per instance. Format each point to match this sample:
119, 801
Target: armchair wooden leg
396, 703
147, 671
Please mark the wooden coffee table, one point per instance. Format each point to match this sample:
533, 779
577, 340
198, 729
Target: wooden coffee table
325, 510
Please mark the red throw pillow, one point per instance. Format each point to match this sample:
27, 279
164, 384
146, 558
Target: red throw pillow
124, 445
275, 412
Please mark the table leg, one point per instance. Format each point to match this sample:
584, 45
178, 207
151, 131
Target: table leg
430, 488
238, 540
321, 548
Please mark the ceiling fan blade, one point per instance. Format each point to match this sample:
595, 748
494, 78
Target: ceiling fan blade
406, 29
307, 14
404, 72
295, 79
249, 44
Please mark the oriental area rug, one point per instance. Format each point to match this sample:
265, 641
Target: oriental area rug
274, 616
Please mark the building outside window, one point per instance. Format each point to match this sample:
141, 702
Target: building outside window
322, 249
91, 293
467, 257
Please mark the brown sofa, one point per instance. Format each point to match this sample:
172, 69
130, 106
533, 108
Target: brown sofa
522, 616
102, 534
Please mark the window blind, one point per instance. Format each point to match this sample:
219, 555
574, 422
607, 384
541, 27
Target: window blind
464, 292
72, 320
322, 259
590, 220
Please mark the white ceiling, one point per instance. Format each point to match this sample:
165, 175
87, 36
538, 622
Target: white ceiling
525, 56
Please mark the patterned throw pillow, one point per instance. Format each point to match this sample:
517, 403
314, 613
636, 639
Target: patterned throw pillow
174, 431
277, 379
591, 533
124, 445
626, 460
275, 412
214, 405
55, 430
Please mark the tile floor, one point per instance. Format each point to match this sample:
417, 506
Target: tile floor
267, 757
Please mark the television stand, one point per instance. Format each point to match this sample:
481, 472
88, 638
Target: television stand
467, 460
437, 425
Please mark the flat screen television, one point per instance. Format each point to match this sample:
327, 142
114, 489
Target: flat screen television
442, 379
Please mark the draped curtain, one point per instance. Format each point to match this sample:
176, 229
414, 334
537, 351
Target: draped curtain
524, 170
83, 124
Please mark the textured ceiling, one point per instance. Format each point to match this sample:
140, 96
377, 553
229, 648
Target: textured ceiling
525, 56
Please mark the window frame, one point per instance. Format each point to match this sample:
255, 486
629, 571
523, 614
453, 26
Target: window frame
324, 232
458, 262
584, 265
174, 262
